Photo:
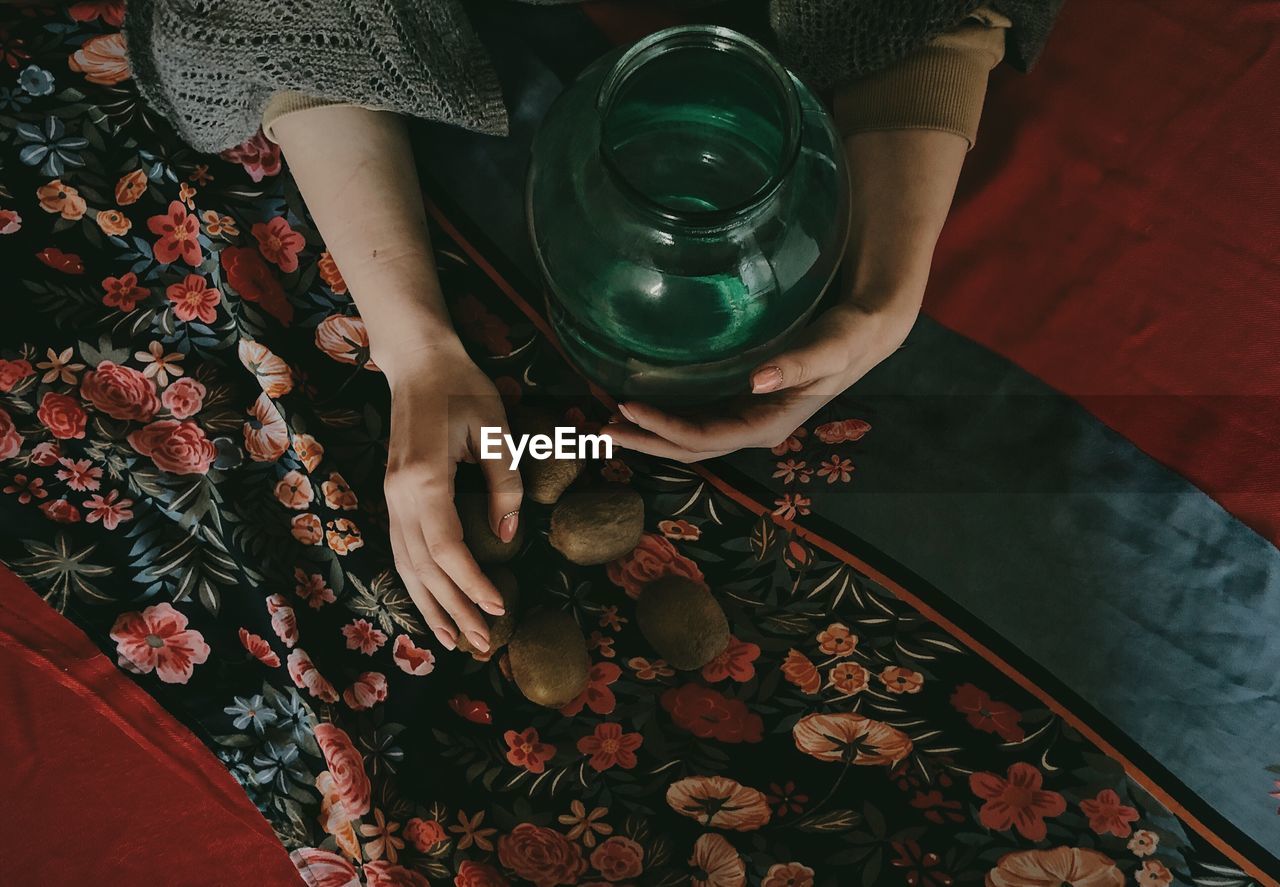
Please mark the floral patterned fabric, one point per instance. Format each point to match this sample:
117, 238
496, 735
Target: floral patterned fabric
193, 441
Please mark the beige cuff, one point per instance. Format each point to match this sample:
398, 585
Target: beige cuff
289, 102
940, 86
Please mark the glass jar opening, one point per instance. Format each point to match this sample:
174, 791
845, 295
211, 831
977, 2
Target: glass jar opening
698, 123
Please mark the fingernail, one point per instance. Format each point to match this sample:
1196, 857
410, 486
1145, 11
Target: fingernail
507, 526
766, 380
626, 414
445, 637
479, 641
612, 420
493, 609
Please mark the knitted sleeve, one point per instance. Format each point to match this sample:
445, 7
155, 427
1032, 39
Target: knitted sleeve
211, 66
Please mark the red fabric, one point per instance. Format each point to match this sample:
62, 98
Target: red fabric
1117, 234
114, 790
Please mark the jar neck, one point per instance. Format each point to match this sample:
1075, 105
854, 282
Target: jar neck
699, 125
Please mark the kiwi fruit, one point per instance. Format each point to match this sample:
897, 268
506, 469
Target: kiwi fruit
545, 480
500, 627
485, 547
549, 659
683, 622
597, 525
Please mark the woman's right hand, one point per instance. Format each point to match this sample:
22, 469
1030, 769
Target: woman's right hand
440, 400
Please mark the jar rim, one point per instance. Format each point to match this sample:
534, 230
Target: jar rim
709, 37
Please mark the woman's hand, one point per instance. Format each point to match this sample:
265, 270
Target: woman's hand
439, 402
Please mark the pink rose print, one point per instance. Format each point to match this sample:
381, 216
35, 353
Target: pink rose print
157, 639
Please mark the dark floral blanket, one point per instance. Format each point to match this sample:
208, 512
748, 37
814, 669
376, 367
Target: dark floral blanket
193, 441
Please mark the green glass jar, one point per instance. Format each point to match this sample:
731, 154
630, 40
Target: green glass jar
688, 205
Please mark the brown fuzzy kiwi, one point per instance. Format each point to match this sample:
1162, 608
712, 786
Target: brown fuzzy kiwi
545, 480
549, 659
683, 621
500, 627
486, 548
597, 525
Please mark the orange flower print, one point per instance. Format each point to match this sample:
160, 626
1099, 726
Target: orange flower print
369, 689
312, 588
790, 505
177, 232
797, 669
266, 436
259, 649
424, 833
679, 530
850, 738
597, 697
735, 662
273, 374
294, 491
101, 59
1071, 866
330, 274
194, 299
338, 494
788, 874
187, 195
837, 640
845, 431
618, 858
343, 536
307, 529
123, 292
334, 818
847, 678
836, 469
308, 450
345, 339
64, 200
792, 471
526, 750
792, 444
541, 856
157, 639
1153, 874
113, 223
1018, 801
200, 175
132, 185
1107, 814
609, 747
279, 243
649, 670
1143, 842
216, 225
362, 636
901, 680
719, 802
716, 864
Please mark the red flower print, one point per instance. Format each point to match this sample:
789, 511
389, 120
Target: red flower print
784, 799
788, 874
157, 639
597, 697
112, 510
184, 398
259, 156
330, 274
10, 221
312, 589
987, 715
14, 371
851, 739
679, 530
10, 439
385, 873
259, 649
294, 490
304, 673
254, 280
338, 494
711, 715
123, 292
194, 299
541, 855
800, 671
120, 391
362, 636
653, 558
27, 488
901, 680
1017, 801
177, 232
266, 436
1153, 874
479, 874
1107, 814
842, 432
279, 243
44, 454
608, 746
792, 444
60, 511
346, 767
527, 750
62, 415
1071, 866
847, 678
307, 529
284, 621
719, 802
67, 263
369, 689
110, 11
618, 858
790, 505
921, 865
936, 808
79, 474
424, 834
410, 658
734, 662
175, 447
836, 469
473, 710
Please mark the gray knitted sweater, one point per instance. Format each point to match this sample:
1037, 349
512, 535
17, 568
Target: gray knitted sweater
211, 66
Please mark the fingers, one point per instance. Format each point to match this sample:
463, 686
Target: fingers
633, 437
505, 494
827, 354
443, 588
721, 434
437, 619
